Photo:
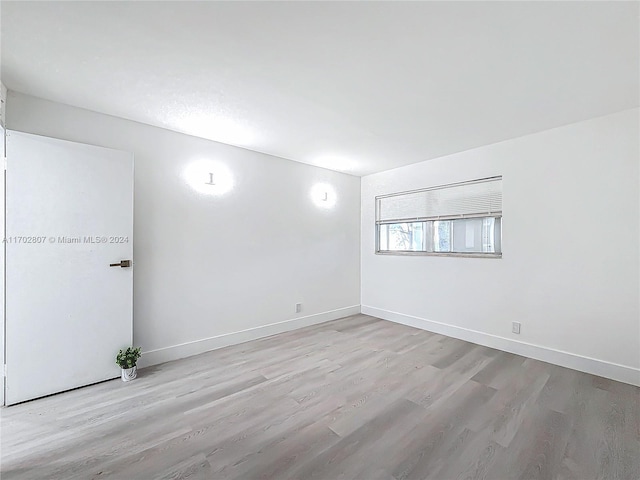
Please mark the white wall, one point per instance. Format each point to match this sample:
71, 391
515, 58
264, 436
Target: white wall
569, 271
209, 267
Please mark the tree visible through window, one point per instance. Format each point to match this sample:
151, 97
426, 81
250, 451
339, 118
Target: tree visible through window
442, 240
403, 236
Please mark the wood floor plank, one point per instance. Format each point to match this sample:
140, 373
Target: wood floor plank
500, 371
513, 403
596, 447
537, 448
451, 378
342, 456
277, 459
475, 457
354, 398
429, 445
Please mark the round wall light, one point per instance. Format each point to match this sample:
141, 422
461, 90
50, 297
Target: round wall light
323, 195
208, 177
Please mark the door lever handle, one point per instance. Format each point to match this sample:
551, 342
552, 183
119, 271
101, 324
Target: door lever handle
121, 264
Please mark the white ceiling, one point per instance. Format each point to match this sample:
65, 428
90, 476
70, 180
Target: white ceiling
357, 87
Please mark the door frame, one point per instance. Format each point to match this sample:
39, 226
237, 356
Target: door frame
3, 253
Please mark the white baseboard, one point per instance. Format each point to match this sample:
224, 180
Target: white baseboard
174, 352
621, 373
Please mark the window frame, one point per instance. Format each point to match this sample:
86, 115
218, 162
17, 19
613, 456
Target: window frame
378, 224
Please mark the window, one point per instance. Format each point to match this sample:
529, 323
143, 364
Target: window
407, 237
463, 219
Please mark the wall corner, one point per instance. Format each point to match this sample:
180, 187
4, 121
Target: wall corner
3, 103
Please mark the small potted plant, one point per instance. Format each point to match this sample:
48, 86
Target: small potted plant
127, 360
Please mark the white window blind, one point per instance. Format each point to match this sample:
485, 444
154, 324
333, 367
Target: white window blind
471, 199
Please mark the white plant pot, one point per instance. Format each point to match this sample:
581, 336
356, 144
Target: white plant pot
129, 374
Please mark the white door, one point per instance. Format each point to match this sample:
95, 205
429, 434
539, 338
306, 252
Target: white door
69, 216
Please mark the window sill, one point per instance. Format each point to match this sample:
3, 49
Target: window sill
438, 254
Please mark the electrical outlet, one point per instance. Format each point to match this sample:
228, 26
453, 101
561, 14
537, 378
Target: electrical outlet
298, 307
515, 327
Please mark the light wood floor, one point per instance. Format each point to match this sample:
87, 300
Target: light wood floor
354, 398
